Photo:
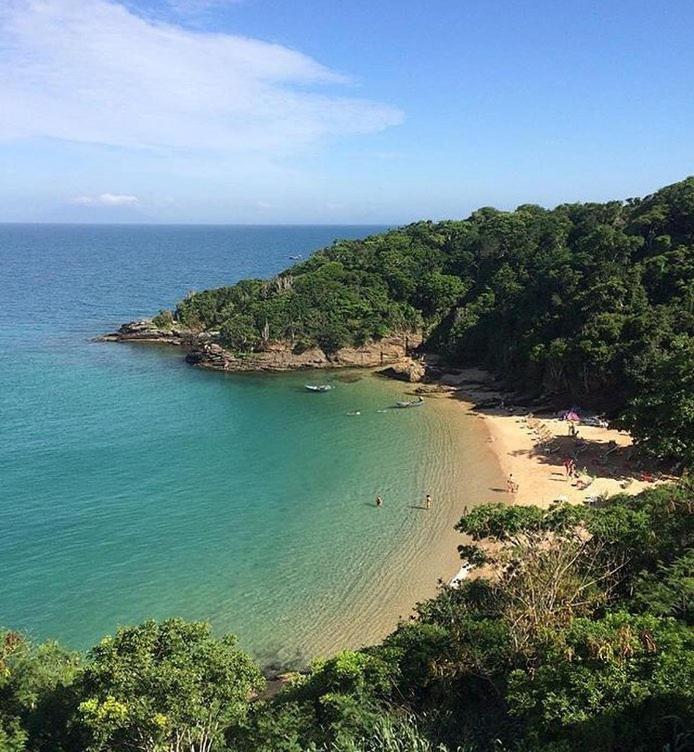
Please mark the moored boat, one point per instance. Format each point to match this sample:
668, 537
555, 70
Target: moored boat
410, 403
318, 387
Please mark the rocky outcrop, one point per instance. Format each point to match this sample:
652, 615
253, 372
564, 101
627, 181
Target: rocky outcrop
279, 356
406, 369
205, 352
146, 331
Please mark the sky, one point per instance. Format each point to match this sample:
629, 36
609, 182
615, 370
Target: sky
337, 111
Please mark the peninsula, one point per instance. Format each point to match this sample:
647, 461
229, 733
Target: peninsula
584, 304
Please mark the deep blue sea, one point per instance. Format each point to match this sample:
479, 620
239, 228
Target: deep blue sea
134, 486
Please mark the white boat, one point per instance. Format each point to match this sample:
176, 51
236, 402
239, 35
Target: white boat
318, 387
411, 403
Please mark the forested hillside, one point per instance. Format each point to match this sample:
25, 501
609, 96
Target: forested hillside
582, 640
591, 301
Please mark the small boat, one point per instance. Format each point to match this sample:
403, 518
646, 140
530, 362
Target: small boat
296, 258
410, 403
318, 387
354, 412
594, 420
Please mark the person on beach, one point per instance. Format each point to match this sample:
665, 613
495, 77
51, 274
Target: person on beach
511, 485
567, 467
379, 501
428, 501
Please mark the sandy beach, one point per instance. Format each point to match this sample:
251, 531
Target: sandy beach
532, 450
471, 454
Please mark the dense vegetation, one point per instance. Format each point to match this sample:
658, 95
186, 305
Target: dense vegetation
590, 301
580, 638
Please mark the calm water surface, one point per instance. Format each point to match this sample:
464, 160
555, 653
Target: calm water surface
134, 486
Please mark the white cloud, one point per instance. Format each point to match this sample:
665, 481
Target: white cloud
106, 199
93, 71
195, 6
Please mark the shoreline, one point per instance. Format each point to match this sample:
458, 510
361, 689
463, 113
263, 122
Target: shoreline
532, 450
494, 443
462, 472
519, 445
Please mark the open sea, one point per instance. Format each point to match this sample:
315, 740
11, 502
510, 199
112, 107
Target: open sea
133, 486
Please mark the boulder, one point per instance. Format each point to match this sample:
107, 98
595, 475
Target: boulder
406, 369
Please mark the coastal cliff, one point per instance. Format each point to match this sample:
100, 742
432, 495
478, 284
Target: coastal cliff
204, 351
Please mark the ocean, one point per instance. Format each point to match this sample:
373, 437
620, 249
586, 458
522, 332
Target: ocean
134, 486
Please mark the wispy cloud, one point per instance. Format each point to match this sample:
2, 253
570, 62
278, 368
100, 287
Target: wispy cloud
93, 71
197, 6
106, 199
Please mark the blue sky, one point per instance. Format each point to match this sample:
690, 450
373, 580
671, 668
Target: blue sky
303, 111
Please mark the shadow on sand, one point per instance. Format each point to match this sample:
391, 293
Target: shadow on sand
593, 457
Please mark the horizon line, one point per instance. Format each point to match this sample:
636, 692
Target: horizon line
207, 224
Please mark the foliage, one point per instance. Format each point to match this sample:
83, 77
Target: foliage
661, 413
616, 682
168, 686
163, 320
593, 302
35, 694
389, 734
342, 696
669, 590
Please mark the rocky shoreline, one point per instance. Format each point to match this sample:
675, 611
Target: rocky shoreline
392, 353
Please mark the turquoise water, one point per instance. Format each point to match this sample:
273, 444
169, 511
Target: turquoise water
135, 486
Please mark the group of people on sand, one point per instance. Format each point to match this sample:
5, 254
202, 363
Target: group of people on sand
427, 501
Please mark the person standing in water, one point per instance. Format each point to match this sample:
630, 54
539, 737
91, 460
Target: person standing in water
428, 501
379, 501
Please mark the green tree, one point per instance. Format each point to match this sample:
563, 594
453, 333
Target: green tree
621, 682
165, 686
660, 415
36, 694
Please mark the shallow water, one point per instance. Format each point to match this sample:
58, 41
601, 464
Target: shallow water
134, 486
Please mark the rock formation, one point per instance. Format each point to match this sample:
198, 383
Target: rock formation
204, 351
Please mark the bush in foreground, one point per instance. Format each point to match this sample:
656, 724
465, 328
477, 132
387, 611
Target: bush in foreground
580, 637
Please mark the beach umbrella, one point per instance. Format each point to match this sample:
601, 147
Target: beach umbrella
572, 416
